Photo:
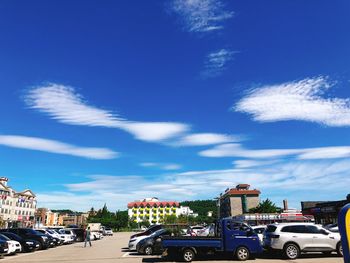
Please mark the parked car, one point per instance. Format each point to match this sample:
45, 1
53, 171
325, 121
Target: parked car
108, 232
13, 246
65, 238
68, 232
95, 236
79, 233
152, 244
4, 246
148, 231
134, 241
208, 231
28, 233
332, 228
259, 230
193, 230
54, 241
295, 238
28, 245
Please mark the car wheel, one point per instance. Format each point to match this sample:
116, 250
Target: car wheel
340, 249
188, 255
291, 251
242, 253
148, 250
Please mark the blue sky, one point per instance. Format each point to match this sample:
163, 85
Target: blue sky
117, 101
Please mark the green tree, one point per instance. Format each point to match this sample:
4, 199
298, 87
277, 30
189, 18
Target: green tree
171, 219
265, 206
145, 223
122, 219
202, 207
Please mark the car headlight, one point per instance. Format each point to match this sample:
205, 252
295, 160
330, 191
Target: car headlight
132, 240
44, 238
29, 243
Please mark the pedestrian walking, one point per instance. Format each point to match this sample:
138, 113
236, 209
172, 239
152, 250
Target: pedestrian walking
87, 237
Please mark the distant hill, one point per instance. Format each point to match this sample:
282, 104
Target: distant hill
202, 207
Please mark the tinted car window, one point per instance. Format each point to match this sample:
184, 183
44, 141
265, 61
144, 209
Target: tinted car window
295, 229
5, 238
271, 229
13, 236
313, 230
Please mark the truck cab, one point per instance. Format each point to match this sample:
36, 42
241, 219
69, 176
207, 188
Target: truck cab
231, 237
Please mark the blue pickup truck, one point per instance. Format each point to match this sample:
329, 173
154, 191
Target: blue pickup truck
235, 238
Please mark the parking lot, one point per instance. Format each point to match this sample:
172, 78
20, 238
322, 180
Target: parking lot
113, 249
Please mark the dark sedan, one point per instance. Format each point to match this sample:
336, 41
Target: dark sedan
28, 233
28, 245
152, 244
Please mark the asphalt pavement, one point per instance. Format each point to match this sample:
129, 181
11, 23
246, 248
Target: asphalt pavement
114, 249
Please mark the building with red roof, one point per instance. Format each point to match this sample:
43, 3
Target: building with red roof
152, 210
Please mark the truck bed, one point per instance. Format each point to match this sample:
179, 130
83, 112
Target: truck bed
188, 241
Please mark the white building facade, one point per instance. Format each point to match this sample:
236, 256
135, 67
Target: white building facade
155, 211
16, 208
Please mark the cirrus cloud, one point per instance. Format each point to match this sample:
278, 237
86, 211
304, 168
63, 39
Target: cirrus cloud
201, 15
65, 105
297, 100
52, 146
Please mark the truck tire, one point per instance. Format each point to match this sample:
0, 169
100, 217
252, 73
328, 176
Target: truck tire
242, 253
188, 255
291, 251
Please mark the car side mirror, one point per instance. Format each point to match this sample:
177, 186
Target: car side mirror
324, 232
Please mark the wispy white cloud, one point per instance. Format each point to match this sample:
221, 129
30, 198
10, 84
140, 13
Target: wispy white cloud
65, 105
198, 139
51, 146
297, 100
172, 166
253, 163
163, 166
148, 164
201, 15
289, 176
216, 62
237, 150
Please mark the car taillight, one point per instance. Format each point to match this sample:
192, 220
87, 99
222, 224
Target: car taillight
274, 236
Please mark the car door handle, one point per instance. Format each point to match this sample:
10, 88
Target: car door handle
331, 237
295, 236
314, 237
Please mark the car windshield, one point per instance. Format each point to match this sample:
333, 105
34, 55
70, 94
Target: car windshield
3, 237
32, 232
12, 236
158, 232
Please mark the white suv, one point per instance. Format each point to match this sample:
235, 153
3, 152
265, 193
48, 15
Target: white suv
294, 238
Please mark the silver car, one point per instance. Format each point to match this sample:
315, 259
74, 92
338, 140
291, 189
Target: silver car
295, 238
